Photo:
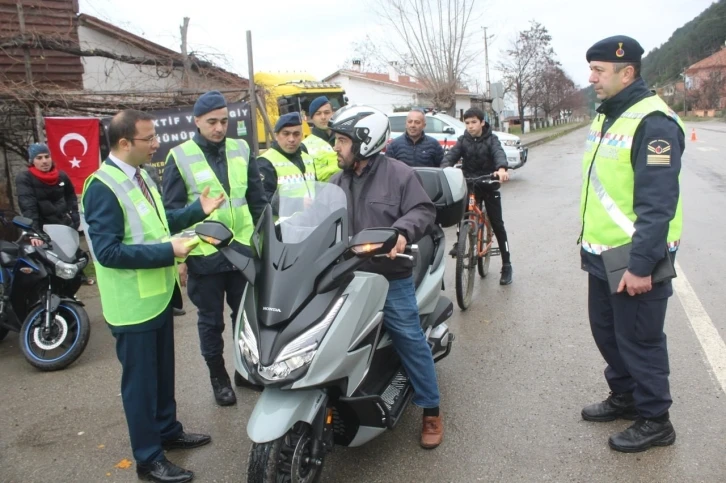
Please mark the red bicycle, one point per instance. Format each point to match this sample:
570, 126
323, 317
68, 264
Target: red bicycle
474, 246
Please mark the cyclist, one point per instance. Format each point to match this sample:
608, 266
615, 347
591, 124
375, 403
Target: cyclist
482, 154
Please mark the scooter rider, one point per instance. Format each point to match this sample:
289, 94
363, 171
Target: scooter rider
384, 192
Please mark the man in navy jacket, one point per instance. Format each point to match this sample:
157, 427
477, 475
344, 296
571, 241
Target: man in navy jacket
415, 148
146, 349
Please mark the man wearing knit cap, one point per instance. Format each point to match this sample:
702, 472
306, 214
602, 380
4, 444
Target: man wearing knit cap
287, 161
631, 205
320, 142
213, 160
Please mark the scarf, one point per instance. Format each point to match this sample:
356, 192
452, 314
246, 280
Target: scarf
50, 178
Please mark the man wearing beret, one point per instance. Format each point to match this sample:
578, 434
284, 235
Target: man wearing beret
287, 161
321, 141
630, 203
212, 160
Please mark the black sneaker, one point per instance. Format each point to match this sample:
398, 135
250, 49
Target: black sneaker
617, 405
506, 278
643, 434
223, 393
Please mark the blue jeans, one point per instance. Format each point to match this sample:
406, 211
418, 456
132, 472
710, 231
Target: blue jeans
401, 320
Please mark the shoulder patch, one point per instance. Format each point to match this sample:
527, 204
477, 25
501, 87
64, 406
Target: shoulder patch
659, 153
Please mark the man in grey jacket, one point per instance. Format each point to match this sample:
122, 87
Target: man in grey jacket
384, 192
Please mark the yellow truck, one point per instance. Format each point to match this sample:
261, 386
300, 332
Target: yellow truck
293, 92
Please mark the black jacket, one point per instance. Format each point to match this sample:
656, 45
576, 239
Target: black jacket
480, 156
391, 196
46, 204
656, 189
175, 198
425, 152
268, 172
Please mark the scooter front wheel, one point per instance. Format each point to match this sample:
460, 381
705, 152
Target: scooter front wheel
288, 459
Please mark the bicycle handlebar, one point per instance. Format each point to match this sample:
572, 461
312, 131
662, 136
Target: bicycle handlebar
485, 177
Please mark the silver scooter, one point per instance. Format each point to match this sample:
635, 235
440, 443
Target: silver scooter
311, 327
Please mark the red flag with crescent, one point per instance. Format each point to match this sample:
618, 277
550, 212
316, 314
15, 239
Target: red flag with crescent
74, 146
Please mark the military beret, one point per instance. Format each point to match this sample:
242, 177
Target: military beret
317, 103
619, 48
208, 102
287, 120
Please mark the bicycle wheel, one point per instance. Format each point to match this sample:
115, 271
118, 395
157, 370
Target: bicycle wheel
465, 256
486, 240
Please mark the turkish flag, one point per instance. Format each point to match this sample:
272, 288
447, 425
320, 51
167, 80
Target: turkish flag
74, 146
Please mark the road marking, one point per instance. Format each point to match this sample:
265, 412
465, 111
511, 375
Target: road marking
707, 334
708, 149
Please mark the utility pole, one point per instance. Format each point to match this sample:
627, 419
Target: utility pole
487, 85
40, 135
185, 55
253, 98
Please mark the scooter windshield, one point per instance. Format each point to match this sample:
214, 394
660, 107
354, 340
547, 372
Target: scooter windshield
64, 239
303, 207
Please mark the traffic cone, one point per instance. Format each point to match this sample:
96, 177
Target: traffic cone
693, 135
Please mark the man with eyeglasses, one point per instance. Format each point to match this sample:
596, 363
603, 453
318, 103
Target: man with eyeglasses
129, 237
212, 160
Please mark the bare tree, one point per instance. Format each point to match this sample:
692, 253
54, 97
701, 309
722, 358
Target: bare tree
557, 89
434, 41
524, 64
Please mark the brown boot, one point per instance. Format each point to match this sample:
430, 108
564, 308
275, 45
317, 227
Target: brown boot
432, 433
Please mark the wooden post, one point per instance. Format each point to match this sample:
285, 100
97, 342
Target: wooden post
253, 97
40, 135
185, 55
266, 119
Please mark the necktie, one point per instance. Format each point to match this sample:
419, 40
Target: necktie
144, 188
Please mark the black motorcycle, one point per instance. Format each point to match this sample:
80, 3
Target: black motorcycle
37, 294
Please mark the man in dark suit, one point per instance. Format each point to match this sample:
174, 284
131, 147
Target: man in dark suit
129, 237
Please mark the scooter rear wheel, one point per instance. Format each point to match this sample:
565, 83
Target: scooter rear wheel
287, 459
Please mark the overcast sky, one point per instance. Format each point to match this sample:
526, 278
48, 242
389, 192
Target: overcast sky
316, 35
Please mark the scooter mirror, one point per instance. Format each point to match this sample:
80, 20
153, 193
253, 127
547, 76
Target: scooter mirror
374, 241
214, 233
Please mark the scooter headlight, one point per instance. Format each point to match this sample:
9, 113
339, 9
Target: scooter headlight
300, 352
66, 271
248, 342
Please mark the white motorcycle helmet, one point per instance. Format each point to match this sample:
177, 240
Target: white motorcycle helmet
366, 126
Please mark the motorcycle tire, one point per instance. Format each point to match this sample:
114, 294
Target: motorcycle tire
277, 460
70, 320
3, 333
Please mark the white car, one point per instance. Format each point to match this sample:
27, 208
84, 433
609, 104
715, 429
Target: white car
446, 130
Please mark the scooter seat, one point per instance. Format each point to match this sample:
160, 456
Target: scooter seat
10, 248
426, 250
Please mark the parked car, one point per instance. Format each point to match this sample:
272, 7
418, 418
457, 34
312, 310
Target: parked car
447, 129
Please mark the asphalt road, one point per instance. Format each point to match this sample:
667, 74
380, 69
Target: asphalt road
522, 367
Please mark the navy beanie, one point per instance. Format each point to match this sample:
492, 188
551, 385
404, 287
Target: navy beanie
287, 120
209, 101
36, 149
317, 103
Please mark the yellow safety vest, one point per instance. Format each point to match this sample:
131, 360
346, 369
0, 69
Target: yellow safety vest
609, 182
198, 175
325, 159
133, 296
289, 174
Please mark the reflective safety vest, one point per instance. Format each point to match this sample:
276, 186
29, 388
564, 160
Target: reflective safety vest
133, 296
608, 183
289, 174
198, 175
325, 159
